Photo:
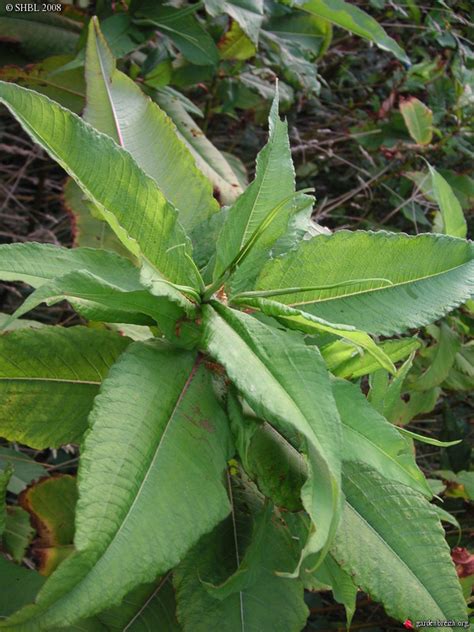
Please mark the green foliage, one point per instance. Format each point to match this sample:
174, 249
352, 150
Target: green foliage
227, 462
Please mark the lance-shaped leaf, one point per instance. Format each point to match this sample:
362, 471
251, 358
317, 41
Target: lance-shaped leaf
216, 559
150, 483
286, 383
148, 607
452, 216
48, 380
100, 285
247, 13
129, 200
370, 438
391, 541
35, 264
410, 281
353, 19
274, 183
209, 159
118, 107
97, 300
310, 324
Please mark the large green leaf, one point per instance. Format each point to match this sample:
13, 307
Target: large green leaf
36, 264
370, 438
286, 383
209, 159
248, 13
353, 19
97, 300
392, 543
411, 281
118, 107
48, 380
150, 483
245, 550
100, 285
129, 199
274, 184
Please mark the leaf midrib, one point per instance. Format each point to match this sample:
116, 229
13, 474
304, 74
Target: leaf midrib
385, 287
49, 379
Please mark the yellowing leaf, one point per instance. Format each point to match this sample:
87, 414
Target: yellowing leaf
418, 119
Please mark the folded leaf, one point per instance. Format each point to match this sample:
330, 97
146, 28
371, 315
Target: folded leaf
129, 200
286, 383
347, 361
298, 319
118, 107
220, 554
353, 19
391, 542
274, 183
436, 276
48, 380
150, 483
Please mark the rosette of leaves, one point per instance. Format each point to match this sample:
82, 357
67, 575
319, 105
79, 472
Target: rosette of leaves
218, 454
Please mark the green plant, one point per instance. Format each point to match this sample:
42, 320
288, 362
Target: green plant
217, 449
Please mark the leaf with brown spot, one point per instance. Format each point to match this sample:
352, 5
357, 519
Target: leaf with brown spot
51, 504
